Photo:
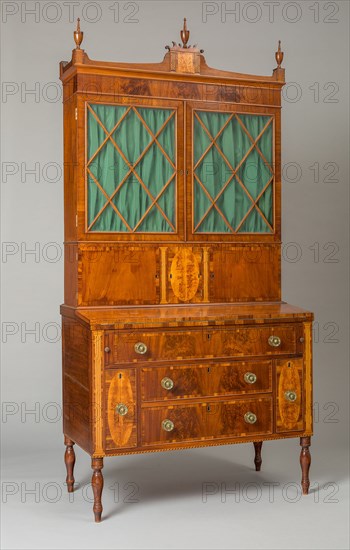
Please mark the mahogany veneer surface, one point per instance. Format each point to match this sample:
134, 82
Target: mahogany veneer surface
177, 339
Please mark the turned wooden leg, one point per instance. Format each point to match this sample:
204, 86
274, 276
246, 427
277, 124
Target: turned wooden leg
257, 459
305, 461
69, 459
97, 486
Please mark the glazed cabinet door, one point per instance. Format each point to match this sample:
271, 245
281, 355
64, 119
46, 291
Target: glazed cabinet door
233, 172
131, 187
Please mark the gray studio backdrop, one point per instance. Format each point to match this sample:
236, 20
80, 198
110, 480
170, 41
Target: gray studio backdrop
237, 36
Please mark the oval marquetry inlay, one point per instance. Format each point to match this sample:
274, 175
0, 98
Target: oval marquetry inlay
289, 381
184, 274
120, 427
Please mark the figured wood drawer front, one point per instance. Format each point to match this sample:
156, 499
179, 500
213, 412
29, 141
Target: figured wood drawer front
228, 419
130, 347
265, 340
153, 346
164, 383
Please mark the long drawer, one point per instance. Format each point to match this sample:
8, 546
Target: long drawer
194, 381
170, 345
219, 420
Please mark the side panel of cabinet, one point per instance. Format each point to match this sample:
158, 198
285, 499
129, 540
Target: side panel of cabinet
71, 294
71, 168
77, 413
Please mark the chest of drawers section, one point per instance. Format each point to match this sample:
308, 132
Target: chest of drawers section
201, 386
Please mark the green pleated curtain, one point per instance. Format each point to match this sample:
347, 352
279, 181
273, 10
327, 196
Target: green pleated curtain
121, 136
213, 167
132, 130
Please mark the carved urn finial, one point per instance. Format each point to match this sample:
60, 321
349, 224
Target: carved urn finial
78, 35
279, 55
184, 58
184, 34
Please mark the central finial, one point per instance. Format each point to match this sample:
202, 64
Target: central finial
184, 34
78, 35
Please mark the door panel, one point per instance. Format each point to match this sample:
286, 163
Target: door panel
133, 185
230, 155
289, 395
120, 409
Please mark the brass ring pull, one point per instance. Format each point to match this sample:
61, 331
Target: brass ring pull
290, 395
140, 348
274, 341
250, 418
121, 409
250, 377
167, 383
168, 425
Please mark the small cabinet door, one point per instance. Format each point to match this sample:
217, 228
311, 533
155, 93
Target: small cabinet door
289, 395
133, 169
231, 177
120, 410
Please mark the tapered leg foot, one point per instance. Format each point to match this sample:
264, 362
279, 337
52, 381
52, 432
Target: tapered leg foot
257, 459
97, 486
305, 461
69, 459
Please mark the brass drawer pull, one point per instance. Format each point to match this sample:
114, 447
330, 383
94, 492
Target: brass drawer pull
250, 377
250, 418
121, 409
168, 425
274, 341
167, 383
107, 349
140, 348
290, 395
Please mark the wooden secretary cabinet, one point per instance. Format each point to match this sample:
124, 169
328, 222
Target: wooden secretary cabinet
174, 332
